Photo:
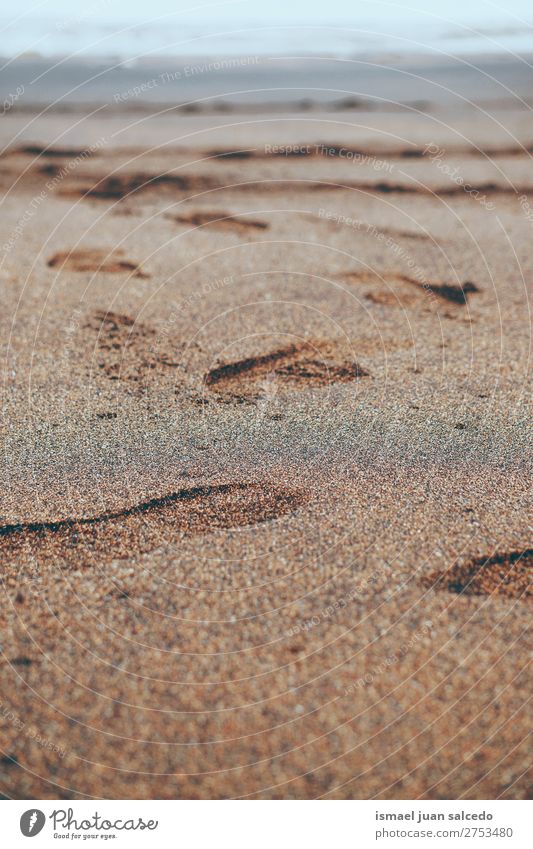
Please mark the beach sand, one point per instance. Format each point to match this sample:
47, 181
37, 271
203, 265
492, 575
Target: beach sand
265, 497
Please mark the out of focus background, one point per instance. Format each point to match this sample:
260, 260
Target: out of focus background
344, 28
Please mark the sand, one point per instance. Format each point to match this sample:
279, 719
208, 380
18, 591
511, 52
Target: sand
265, 492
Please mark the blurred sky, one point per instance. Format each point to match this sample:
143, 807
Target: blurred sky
135, 28
478, 11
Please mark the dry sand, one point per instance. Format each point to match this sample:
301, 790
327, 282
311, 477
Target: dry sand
265, 490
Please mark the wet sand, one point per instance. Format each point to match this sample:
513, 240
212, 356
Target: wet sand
265, 498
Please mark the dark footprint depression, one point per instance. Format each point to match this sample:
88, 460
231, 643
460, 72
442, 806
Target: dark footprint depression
141, 528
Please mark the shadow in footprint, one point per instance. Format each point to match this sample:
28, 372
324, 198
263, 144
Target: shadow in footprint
381, 294
448, 292
55, 152
140, 529
220, 221
506, 574
108, 262
121, 186
300, 365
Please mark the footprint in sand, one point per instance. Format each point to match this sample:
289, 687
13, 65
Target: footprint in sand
121, 186
126, 349
140, 529
55, 152
306, 364
407, 291
505, 574
232, 154
219, 221
108, 262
